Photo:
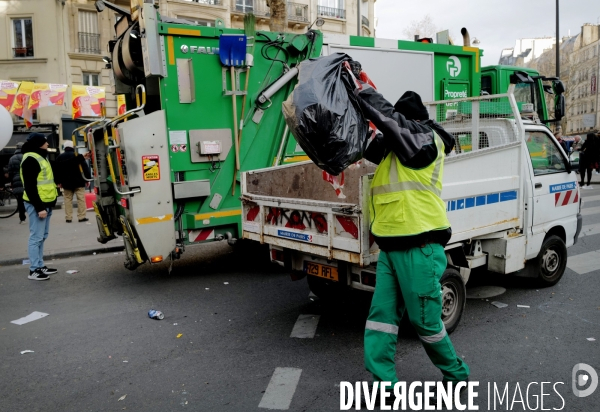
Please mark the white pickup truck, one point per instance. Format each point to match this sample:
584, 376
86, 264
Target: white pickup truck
512, 200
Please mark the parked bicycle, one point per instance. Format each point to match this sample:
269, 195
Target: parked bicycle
8, 202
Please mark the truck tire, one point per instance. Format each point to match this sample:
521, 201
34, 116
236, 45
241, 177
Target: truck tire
454, 297
551, 262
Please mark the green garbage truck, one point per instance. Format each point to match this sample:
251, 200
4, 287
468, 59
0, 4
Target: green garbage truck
167, 170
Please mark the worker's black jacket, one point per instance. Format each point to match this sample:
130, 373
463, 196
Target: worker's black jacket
68, 173
413, 143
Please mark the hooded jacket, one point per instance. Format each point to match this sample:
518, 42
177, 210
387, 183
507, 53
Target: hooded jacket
31, 169
14, 166
413, 143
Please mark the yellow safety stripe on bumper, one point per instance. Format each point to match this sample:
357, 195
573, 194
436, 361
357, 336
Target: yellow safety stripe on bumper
381, 327
218, 214
153, 219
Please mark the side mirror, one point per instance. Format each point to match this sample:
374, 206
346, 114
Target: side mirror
558, 86
520, 77
548, 89
559, 107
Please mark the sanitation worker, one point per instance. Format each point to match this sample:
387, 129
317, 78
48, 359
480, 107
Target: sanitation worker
409, 223
40, 197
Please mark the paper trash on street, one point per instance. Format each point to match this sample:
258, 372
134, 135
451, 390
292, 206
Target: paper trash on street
26, 351
70, 272
591, 339
523, 306
29, 318
499, 304
122, 397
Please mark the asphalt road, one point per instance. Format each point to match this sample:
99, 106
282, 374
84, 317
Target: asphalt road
234, 317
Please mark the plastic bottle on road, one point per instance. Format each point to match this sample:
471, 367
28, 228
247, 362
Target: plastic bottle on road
155, 314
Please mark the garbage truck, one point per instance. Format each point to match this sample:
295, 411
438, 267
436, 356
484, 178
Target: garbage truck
511, 198
204, 105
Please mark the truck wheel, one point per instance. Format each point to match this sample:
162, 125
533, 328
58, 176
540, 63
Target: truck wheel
551, 262
454, 297
323, 288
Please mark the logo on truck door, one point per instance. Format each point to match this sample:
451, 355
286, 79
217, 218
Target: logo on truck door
453, 66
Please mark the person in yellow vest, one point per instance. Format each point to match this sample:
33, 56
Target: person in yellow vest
40, 197
409, 223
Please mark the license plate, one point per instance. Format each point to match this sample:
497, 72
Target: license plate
322, 271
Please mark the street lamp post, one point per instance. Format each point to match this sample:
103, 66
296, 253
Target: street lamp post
557, 44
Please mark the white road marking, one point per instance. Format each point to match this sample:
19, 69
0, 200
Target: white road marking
590, 211
281, 389
29, 318
585, 262
305, 327
589, 230
590, 198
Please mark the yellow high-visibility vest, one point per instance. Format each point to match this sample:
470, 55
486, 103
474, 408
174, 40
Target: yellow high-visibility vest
45, 179
407, 201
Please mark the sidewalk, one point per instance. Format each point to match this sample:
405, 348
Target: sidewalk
64, 239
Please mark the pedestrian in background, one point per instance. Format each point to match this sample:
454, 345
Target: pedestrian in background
588, 159
14, 174
40, 197
577, 143
563, 144
69, 167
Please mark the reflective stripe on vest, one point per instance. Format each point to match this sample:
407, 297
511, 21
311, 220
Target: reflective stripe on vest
45, 179
407, 201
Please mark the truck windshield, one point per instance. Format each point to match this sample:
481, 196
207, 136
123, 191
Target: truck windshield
545, 155
529, 93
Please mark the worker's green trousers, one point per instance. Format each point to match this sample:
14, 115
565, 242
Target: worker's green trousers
409, 280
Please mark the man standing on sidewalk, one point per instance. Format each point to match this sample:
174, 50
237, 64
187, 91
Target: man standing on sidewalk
14, 173
69, 167
40, 197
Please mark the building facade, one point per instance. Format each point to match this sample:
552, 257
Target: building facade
583, 99
64, 41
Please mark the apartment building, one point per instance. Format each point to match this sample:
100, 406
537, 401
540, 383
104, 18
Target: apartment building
64, 41
584, 69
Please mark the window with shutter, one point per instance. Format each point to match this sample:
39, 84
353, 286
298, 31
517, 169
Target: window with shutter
89, 36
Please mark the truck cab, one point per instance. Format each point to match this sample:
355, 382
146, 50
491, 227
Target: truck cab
539, 92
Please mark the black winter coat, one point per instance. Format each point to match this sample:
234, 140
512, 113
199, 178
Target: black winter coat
67, 170
14, 172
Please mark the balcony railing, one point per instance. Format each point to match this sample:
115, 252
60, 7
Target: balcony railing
258, 7
297, 12
23, 51
209, 2
365, 21
89, 43
331, 12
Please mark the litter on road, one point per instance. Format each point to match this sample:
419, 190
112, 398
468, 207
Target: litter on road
180, 335
26, 261
70, 272
26, 351
29, 318
122, 397
499, 304
591, 339
523, 306
226, 283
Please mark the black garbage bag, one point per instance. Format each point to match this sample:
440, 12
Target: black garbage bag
324, 115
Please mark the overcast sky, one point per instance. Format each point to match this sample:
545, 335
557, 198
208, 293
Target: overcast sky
496, 24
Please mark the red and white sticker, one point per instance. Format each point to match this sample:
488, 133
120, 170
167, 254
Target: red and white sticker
200, 235
565, 198
183, 148
174, 148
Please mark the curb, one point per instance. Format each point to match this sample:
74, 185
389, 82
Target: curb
62, 255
